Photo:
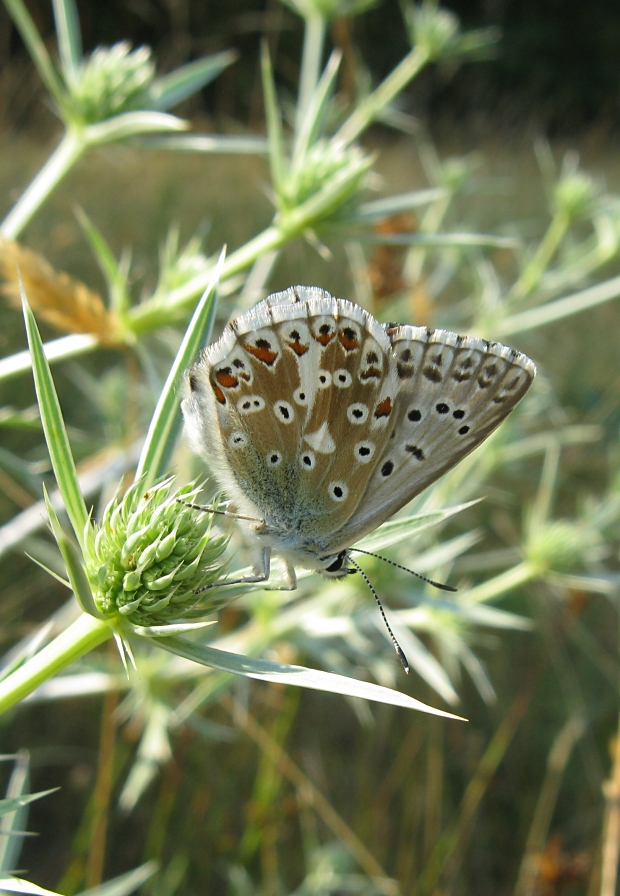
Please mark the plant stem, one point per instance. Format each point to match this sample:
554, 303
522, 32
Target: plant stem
369, 108
57, 166
79, 638
55, 350
502, 583
530, 278
149, 315
286, 227
314, 37
559, 308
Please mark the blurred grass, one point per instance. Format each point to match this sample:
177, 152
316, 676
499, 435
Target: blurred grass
267, 784
217, 803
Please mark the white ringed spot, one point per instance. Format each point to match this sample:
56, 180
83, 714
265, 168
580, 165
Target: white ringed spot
237, 440
308, 460
357, 412
284, 411
364, 452
250, 404
342, 378
273, 458
300, 396
325, 379
338, 491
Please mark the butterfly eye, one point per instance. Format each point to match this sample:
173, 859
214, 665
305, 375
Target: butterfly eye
325, 379
274, 459
337, 564
301, 397
338, 491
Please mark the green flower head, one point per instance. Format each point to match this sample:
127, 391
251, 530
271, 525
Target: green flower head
150, 554
110, 81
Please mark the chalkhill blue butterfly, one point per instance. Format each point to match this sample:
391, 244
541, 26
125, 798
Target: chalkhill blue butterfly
320, 423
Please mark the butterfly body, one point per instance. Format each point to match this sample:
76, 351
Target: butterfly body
320, 423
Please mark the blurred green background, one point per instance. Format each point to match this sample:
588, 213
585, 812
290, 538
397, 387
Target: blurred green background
267, 790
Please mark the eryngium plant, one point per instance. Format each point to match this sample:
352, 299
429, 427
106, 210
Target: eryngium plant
110, 81
150, 554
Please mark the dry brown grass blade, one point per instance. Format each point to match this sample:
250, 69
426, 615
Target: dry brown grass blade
67, 304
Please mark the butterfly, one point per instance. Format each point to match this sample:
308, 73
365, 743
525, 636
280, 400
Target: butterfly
320, 423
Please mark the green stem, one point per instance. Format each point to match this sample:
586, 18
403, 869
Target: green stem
502, 583
369, 108
57, 166
314, 37
560, 308
55, 350
530, 278
294, 222
79, 638
149, 315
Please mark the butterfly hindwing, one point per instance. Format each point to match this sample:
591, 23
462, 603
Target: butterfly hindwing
454, 391
303, 393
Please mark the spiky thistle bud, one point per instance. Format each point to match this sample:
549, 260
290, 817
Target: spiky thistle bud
110, 81
326, 161
558, 546
150, 553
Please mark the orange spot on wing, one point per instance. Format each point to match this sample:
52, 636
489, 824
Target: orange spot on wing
384, 408
298, 347
347, 342
226, 379
370, 373
219, 394
262, 354
324, 338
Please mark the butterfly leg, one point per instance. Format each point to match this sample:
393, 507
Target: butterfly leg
262, 571
289, 583
261, 574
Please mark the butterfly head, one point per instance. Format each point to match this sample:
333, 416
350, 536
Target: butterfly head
335, 566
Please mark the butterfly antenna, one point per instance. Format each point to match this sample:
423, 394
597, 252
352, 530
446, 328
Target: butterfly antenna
207, 509
418, 575
399, 650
